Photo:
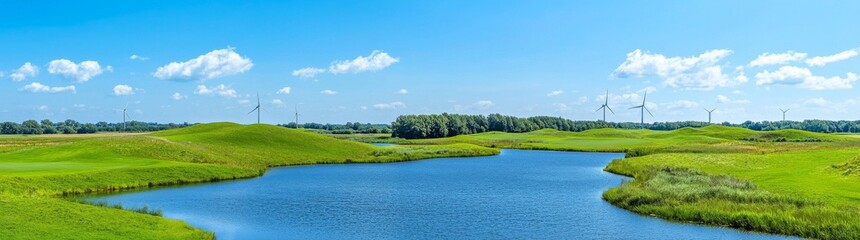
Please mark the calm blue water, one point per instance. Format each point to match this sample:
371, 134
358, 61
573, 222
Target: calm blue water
516, 195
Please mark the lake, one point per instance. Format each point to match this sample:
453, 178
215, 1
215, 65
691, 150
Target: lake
518, 194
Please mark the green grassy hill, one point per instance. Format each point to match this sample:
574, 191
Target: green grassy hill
36, 172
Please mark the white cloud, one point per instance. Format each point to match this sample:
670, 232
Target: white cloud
177, 96
220, 90
724, 99
820, 102
39, 88
824, 60
26, 70
284, 90
136, 57
682, 104
328, 92
554, 93
403, 91
484, 104
243, 101
777, 58
307, 72
278, 102
697, 72
42, 107
377, 60
393, 105
81, 72
803, 78
561, 107
123, 90
215, 64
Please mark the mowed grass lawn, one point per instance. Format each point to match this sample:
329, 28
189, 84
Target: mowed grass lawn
787, 182
39, 175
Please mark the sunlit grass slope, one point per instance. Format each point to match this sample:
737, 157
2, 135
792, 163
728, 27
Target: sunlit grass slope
787, 182
36, 171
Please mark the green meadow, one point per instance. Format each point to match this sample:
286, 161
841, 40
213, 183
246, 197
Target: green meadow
787, 181
40, 176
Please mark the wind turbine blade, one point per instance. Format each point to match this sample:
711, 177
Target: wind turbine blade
606, 102
610, 109
649, 111
598, 109
636, 107
644, 97
255, 109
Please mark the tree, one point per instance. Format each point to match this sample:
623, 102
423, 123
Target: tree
10, 128
48, 126
31, 127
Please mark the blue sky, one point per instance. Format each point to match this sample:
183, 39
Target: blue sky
204, 61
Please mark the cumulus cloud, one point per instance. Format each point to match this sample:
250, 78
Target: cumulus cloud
403, 91
136, 57
484, 104
820, 102
26, 70
803, 78
284, 90
682, 104
220, 90
81, 72
278, 102
328, 92
40, 88
307, 72
777, 58
215, 64
177, 96
824, 60
724, 99
123, 90
377, 60
393, 105
697, 73
41, 107
554, 93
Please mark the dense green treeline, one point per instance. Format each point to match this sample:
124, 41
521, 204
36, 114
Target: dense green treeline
348, 128
70, 126
448, 125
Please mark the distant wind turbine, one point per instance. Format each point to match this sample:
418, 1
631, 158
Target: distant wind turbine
783, 113
124, 116
297, 116
709, 114
605, 106
642, 110
257, 108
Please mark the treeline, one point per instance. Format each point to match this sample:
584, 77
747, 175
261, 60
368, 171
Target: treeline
46, 126
348, 128
448, 125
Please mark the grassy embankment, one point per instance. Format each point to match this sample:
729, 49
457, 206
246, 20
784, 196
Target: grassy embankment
36, 172
787, 182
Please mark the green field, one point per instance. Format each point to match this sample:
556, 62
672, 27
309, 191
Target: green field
788, 181
40, 175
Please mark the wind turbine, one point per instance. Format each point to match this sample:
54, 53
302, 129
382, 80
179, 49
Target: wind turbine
642, 110
257, 108
297, 116
709, 114
124, 116
605, 106
783, 113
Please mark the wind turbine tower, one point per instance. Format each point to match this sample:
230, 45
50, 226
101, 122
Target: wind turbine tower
297, 116
709, 114
605, 106
124, 116
257, 108
783, 113
642, 110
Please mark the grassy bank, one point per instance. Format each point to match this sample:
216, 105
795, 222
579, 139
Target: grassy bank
36, 172
787, 182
